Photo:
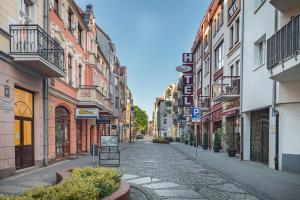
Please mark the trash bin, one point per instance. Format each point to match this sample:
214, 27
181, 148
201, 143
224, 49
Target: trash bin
94, 150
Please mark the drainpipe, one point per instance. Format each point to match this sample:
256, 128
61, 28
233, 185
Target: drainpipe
241, 82
274, 110
46, 90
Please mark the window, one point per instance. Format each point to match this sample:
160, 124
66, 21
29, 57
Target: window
199, 79
80, 75
55, 7
79, 35
260, 51
70, 19
231, 37
165, 121
206, 66
214, 27
237, 68
219, 57
221, 17
70, 69
237, 30
231, 70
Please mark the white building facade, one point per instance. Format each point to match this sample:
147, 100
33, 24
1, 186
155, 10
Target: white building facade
270, 101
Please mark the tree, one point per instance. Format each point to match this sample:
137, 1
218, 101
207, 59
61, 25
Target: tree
140, 120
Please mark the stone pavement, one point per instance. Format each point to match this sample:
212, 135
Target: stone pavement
254, 177
158, 171
174, 176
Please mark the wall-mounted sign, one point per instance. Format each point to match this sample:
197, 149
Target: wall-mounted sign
196, 114
187, 101
87, 113
187, 79
184, 68
109, 141
187, 57
6, 104
103, 120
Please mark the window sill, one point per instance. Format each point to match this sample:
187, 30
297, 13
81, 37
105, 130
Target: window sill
259, 66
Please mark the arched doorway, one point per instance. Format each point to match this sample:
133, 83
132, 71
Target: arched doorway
23, 136
62, 132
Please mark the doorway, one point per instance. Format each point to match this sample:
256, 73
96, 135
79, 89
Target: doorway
23, 133
62, 132
79, 136
260, 136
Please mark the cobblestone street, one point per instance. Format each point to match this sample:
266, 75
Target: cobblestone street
173, 174
180, 177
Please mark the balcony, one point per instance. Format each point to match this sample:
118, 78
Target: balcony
282, 52
204, 103
33, 48
233, 9
226, 89
89, 95
284, 5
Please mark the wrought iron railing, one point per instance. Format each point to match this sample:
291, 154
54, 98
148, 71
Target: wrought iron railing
226, 85
204, 102
284, 43
33, 40
233, 8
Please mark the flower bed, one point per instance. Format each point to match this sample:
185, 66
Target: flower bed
83, 183
160, 140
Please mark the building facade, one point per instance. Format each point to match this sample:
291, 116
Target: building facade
57, 71
270, 60
28, 58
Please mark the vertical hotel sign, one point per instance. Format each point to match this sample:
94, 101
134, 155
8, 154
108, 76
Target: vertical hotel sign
187, 79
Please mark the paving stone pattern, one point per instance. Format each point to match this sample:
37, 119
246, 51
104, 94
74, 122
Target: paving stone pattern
174, 176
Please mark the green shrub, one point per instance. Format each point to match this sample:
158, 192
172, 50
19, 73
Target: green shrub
217, 140
160, 140
83, 184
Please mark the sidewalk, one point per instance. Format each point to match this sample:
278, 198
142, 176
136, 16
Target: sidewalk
249, 175
44, 176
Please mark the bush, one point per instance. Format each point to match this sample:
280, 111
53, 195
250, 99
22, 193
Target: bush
160, 140
83, 184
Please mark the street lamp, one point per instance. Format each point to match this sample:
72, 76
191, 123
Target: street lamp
131, 115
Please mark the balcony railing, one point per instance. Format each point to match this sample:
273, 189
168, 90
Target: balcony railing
233, 8
30, 40
284, 43
204, 102
226, 88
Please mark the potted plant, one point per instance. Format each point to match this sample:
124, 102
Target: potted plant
205, 141
217, 140
228, 138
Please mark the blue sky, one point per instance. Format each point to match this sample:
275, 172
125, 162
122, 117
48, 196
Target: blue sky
150, 36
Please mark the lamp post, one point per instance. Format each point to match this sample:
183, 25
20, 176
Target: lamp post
131, 115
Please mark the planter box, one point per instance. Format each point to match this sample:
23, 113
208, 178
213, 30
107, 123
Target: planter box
217, 149
231, 152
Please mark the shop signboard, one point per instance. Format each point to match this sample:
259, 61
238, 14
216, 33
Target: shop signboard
103, 120
87, 113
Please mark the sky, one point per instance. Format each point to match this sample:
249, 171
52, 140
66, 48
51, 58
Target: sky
150, 37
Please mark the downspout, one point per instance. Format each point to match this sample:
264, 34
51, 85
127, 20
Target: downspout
274, 110
241, 82
46, 90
